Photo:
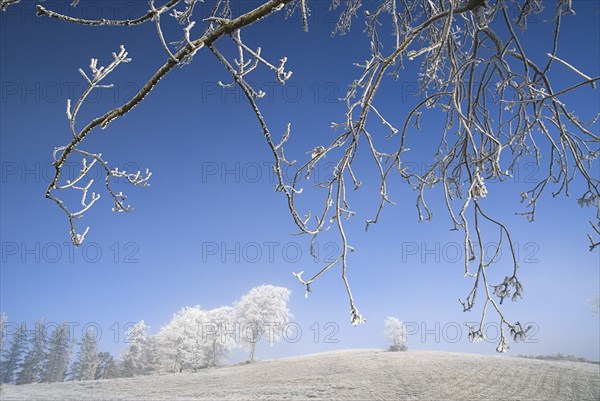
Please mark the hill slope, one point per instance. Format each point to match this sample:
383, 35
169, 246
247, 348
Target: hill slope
347, 375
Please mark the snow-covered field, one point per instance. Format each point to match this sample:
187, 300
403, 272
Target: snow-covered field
347, 375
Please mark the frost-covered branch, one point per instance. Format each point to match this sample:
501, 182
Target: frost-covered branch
98, 74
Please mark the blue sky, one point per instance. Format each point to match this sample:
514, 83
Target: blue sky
210, 227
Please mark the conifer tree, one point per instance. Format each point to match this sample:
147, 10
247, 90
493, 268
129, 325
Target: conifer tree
36, 358
14, 357
134, 359
59, 354
84, 368
107, 368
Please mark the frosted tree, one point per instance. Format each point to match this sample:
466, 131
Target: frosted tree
395, 333
181, 343
218, 333
3, 326
60, 346
497, 104
262, 313
84, 367
11, 363
134, 360
107, 367
152, 356
36, 358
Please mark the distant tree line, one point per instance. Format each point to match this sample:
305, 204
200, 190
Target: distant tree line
559, 357
193, 339
40, 356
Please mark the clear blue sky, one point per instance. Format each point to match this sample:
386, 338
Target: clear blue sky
212, 191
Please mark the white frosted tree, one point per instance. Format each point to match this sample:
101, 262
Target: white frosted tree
107, 367
86, 364
218, 333
180, 344
3, 326
152, 356
60, 345
36, 358
134, 360
395, 332
262, 312
13, 359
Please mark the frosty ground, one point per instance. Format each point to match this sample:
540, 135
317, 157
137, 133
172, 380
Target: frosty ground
347, 375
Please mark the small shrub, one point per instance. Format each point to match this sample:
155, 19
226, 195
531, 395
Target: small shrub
397, 348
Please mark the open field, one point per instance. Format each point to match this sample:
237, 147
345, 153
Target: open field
347, 375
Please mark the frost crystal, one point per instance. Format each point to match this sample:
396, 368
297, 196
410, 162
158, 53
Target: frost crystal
478, 191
